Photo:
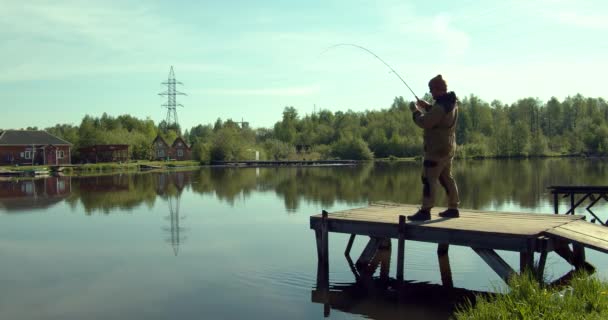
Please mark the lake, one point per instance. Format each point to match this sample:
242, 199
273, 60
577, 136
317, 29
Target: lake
235, 243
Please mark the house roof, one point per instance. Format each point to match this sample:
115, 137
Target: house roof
29, 137
180, 139
158, 137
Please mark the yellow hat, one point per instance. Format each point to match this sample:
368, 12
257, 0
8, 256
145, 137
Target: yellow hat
439, 83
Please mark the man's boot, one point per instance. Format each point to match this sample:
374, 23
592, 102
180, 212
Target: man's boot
421, 215
450, 213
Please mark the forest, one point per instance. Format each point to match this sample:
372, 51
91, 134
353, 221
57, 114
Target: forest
529, 127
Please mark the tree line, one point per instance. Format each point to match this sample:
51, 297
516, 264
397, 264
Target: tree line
529, 127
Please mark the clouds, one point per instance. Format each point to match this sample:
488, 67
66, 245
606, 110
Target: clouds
454, 40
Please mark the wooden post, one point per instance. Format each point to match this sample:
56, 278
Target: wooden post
444, 265
349, 245
526, 258
324, 241
401, 248
572, 202
578, 256
542, 260
555, 202
369, 252
323, 265
495, 262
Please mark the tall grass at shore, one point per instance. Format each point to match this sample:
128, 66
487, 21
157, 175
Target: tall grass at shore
586, 297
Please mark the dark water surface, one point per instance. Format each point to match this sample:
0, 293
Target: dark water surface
236, 243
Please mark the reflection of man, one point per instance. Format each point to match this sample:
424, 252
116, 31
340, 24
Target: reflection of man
439, 123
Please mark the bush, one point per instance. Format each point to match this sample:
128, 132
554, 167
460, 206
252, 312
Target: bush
351, 149
473, 150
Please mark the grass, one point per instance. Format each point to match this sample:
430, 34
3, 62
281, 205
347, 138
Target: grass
585, 298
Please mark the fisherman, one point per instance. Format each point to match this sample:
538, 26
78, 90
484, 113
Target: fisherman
439, 123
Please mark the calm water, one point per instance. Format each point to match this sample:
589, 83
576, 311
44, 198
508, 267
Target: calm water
236, 243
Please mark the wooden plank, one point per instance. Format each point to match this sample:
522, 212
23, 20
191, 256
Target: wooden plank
580, 238
349, 245
369, 251
456, 237
589, 229
495, 262
461, 226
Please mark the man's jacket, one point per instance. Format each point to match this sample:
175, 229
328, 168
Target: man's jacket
439, 124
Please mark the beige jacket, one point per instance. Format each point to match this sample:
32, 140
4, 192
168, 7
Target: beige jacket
439, 124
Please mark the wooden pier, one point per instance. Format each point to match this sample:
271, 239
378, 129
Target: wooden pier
482, 231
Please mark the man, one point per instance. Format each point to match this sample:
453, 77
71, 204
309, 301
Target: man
439, 123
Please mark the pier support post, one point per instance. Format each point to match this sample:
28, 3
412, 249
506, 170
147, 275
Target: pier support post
349, 245
526, 257
401, 248
495, 262
542, 260
321, 235
369, 252
444, 265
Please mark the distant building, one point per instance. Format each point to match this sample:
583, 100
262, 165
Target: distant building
33, 147
181, 150
178, 150
104, 153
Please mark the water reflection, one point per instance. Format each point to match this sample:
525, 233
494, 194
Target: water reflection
376, 295
171, 186
27, 194
483, 184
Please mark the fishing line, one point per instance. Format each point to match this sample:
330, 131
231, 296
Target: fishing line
377, 57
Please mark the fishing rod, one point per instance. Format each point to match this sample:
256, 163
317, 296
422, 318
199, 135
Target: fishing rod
377, 57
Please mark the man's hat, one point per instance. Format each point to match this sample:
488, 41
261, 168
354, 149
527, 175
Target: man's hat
438, 83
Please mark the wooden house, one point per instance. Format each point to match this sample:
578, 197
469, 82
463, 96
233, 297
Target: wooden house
178, 150
33, 147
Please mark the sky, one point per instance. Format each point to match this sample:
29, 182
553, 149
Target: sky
61, 60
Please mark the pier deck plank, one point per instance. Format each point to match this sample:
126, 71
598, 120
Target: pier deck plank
486, 229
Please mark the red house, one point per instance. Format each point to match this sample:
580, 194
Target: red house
104, 153
33, 147
179, 150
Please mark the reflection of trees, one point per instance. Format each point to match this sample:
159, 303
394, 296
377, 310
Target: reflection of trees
125, 191
481, 182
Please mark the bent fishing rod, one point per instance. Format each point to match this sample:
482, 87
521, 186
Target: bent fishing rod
377, 57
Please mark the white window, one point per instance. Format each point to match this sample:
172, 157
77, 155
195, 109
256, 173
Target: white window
180, 153
60, 155
179, 144
28, 154
161, 153
60, 185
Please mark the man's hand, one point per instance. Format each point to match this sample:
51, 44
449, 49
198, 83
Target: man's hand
421, 104
413, 107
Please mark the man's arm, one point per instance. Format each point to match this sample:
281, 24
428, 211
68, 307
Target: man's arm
429, 119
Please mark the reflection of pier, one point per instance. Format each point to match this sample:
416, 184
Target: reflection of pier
381, 297
484, 232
